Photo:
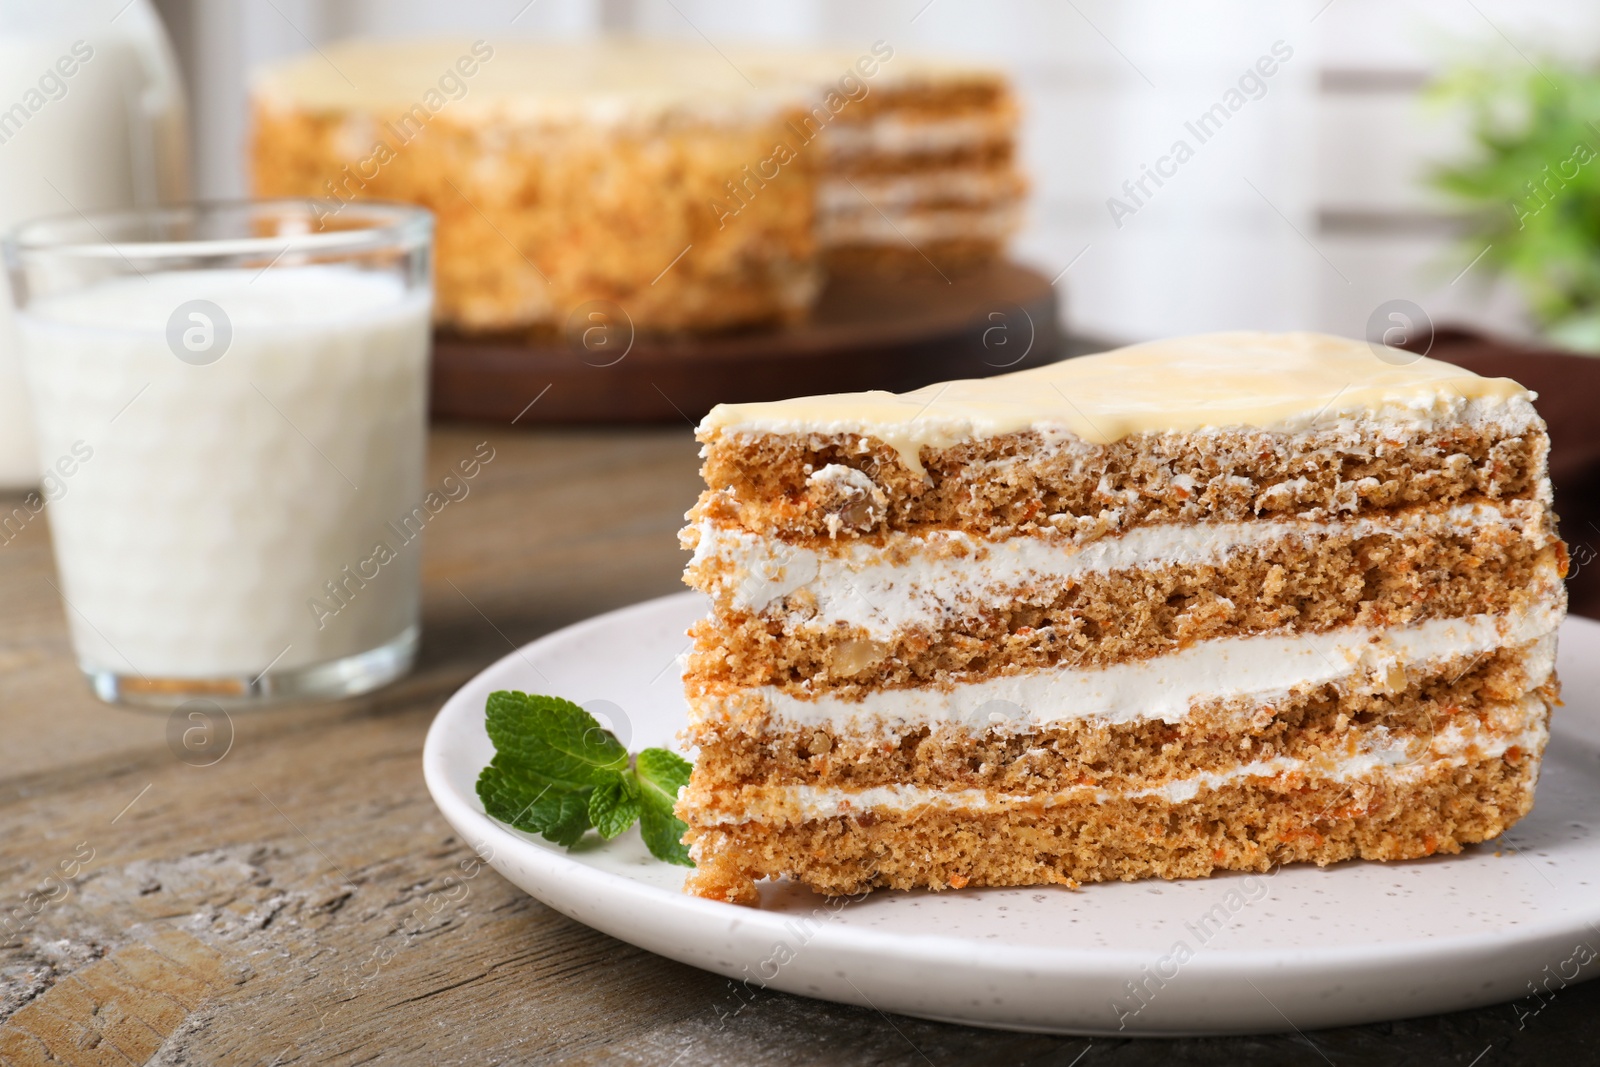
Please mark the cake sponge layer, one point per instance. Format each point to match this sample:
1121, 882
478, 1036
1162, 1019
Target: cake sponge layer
1473, 695
815, 485
1250, 825
950, 609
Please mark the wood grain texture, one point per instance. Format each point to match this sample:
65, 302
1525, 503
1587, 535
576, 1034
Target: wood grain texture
301, 901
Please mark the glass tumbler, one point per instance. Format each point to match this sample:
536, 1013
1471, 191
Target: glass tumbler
231, 404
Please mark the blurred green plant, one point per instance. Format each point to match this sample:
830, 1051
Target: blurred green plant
1533, 184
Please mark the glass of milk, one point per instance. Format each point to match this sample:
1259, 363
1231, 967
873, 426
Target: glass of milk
230, 404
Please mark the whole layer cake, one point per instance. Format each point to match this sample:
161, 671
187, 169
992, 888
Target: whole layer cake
690, 188
1221, 602
559, 174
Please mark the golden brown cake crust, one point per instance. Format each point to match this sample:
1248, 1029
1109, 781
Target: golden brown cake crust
998, 156
534, 222
949, 94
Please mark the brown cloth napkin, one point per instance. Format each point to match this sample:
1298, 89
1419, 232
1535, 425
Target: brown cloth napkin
1569, 399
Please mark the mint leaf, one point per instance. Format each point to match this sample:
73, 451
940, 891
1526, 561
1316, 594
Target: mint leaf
614, 805
533, 804
557, 772
663, 835
661, 775
564, 818
664, 773
554, 739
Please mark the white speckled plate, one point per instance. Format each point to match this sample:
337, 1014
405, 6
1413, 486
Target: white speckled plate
1303, 948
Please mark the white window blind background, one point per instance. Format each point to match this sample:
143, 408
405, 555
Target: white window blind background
1307, 209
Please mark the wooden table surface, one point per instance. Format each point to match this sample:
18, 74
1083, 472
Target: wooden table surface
301, 901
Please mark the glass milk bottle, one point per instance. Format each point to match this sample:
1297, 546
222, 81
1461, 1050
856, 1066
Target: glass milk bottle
91, 119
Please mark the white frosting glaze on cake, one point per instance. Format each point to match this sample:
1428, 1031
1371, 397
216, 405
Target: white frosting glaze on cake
1397, 760
599, 83
1259, 669
1290, 382
930, 579
609, 82
985, 186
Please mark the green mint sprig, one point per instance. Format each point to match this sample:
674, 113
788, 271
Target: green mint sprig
558, 773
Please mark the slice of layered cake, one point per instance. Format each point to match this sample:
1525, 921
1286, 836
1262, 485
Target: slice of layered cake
1214, 603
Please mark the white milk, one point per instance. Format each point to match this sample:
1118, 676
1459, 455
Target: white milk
200, 511
107, 135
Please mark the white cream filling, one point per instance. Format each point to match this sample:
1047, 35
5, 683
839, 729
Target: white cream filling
898, 135
1393, 761
837, 193
1258, 671
899, 225
929, 580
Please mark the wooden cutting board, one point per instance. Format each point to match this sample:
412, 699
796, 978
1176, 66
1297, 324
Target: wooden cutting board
863, 334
